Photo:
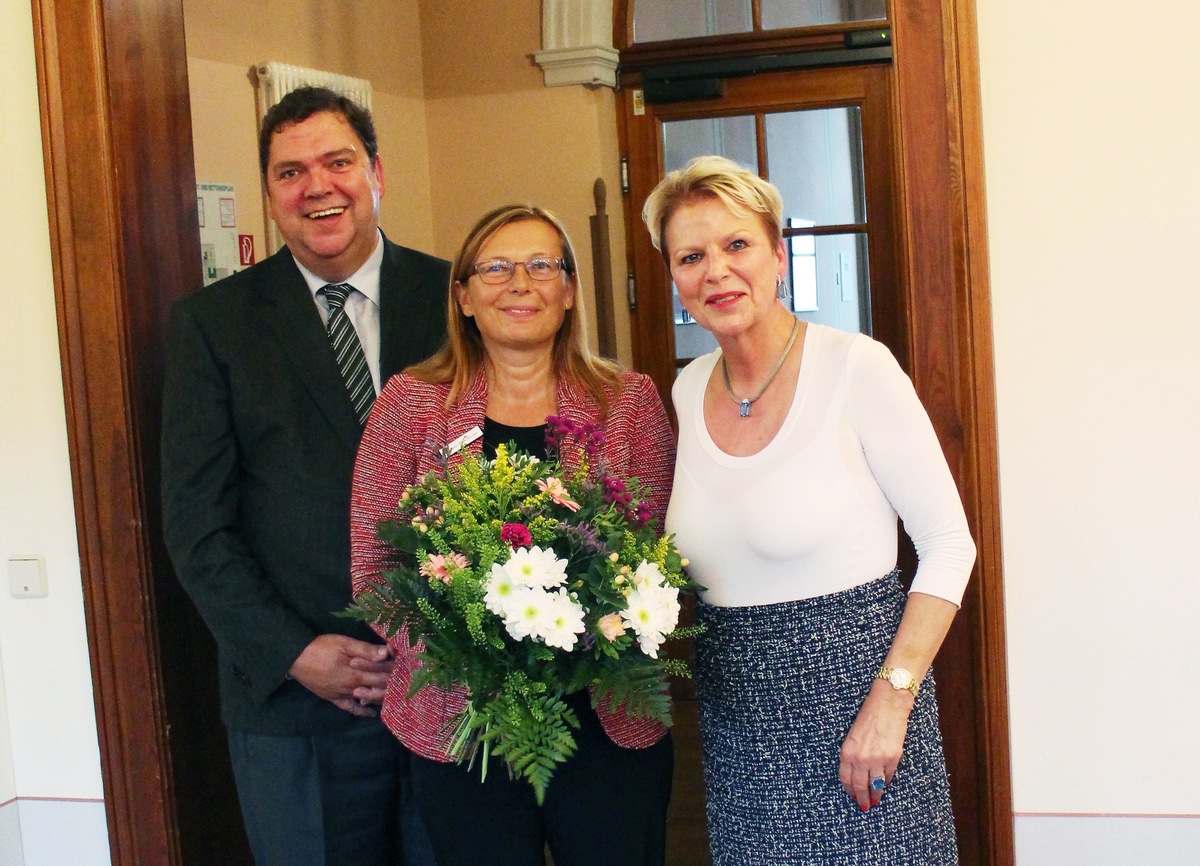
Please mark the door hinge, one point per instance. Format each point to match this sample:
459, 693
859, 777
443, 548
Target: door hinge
625, 175
631, 292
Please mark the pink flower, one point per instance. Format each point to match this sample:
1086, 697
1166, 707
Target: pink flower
516, 535
611, 626
556, 491
438, 566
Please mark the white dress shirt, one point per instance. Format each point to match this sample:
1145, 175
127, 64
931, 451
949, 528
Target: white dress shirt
362, 305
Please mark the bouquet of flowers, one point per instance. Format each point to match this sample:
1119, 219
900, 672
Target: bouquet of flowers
527, 581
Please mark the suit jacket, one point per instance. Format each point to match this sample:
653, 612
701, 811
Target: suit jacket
259, 439
398, 448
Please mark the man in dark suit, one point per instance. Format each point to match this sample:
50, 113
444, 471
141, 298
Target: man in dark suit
261, 421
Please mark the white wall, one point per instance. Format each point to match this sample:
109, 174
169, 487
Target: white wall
1092, 139
49, 758
10, 826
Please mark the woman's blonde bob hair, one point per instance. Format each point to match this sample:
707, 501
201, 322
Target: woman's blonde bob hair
463, 353
741, 190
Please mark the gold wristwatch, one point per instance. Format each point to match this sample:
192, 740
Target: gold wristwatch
900, 678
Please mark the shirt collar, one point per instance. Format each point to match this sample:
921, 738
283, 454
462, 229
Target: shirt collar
365, 279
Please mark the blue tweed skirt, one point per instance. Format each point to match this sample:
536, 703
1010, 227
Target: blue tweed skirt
780, 686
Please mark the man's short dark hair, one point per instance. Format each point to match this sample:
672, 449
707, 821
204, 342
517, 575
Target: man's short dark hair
301, 104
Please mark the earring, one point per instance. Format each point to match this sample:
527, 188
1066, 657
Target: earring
779, 287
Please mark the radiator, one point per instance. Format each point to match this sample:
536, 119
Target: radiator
276, 80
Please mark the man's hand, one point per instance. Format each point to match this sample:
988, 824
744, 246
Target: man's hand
351, 674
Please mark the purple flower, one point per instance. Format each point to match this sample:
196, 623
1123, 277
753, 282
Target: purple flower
614, 490
559, 429
584, 534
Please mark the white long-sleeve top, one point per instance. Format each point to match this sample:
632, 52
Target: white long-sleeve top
814, 512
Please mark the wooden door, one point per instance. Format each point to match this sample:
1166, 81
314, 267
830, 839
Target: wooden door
843, 221
745, 119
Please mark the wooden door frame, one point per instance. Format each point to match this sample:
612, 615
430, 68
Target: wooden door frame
946, 259
124, 240
120, 178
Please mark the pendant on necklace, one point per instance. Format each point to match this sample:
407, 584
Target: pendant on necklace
744, 402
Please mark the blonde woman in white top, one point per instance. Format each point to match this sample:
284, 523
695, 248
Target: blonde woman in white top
799, 447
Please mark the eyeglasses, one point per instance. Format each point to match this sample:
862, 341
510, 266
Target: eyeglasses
496, 272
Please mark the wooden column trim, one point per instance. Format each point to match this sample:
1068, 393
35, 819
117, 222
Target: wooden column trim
108, 83
994, 675
951, 351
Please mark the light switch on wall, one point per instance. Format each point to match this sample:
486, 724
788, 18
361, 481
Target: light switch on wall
27, 577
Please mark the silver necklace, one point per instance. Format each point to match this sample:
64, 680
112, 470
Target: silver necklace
744, 403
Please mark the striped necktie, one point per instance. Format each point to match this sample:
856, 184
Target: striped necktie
348, 350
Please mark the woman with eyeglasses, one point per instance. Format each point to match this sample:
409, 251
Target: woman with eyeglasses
516, 353
799, 445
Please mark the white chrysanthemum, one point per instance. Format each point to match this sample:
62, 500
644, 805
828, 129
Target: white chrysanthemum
499, 590
648, 573
652, 612
564, 622
528, 612
534, 567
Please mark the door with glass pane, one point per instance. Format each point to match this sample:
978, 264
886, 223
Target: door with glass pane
823, 137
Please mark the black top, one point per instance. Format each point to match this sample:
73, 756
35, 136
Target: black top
531, 440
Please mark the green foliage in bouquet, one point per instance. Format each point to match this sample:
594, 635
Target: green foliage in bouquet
526, 581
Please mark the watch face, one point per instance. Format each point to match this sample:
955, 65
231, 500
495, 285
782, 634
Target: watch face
900, 678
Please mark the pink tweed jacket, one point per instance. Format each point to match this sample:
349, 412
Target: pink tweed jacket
407, 425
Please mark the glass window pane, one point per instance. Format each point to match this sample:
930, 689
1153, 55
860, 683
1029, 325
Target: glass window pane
802, 267
814, 157
659, 20
732, 137
778, 14
692, 341
828, 280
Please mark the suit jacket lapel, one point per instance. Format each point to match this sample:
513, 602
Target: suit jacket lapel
401, 312
296, 327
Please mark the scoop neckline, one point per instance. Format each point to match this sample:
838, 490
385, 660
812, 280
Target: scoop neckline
813, 334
